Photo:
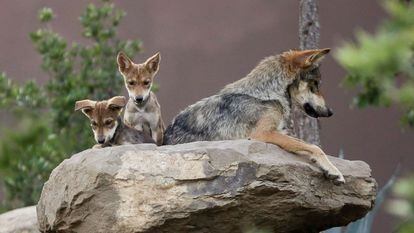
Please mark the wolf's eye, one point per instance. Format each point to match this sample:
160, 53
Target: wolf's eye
146, 82
314, 86
314, 71
94, 124
108, 122
132, 83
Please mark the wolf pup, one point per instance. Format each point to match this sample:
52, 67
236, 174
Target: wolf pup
143, 112
258, 107
107, 125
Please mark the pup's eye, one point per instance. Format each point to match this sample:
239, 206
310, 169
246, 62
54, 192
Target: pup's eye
108, 122
146, 82
94, 124
132, 83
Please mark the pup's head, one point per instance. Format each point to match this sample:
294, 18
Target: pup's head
138, 77
305, 89
103, 116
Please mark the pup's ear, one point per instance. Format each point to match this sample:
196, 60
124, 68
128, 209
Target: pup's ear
117, 103
153, 63
86, 106
124, 62
305, 58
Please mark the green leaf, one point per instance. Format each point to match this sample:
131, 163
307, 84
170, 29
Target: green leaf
380, 65
45, 14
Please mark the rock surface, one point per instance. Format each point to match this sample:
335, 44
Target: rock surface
23, 220
203, 187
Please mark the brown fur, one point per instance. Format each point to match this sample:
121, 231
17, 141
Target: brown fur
266, 131
108, 129
142, 114
303, 59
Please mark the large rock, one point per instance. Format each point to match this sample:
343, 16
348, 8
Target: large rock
21, 220
226, 186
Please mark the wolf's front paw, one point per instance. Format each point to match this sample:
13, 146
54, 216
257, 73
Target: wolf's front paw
336, 176
340, 180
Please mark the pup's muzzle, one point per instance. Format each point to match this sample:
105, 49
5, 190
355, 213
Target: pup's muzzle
139, 99
101, 141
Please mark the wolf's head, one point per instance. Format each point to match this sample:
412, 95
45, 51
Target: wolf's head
138, 77
103, 116
305, 89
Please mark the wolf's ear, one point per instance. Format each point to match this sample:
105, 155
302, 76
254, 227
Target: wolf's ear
306, 58
117, 103
153, 63
86, 106
124, 62
317, 55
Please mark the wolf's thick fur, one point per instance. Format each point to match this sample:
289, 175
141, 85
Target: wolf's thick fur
258, 107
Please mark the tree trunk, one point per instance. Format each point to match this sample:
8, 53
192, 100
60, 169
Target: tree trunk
304, 127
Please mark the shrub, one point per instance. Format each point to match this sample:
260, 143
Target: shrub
48, 129
380, 66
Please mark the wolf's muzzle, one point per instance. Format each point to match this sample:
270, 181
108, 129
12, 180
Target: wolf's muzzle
312, 112
330, 112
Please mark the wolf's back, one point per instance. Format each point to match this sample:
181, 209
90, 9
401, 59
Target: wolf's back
218, 117
193, 123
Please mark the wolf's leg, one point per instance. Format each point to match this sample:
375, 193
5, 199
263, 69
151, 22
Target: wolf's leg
297, 146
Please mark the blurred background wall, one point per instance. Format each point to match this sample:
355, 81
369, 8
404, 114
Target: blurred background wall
207, 44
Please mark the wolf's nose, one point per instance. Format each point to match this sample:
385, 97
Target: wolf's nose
139, 98
330, 112
101, 141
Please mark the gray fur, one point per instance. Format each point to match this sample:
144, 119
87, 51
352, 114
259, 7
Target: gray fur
267, 81
235, 110
258, 106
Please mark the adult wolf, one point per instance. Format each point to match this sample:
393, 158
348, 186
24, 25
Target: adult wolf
258, 107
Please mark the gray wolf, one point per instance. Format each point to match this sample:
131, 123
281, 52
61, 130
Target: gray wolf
106, 123
143, 112
258, 107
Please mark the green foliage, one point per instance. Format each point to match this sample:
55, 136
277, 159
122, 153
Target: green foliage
403, 205
36, 157
381, 66
49, 130
45, 15
28, 96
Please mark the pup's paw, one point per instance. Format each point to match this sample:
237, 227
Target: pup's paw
97, 146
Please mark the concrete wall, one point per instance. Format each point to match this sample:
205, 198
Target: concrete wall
207, 44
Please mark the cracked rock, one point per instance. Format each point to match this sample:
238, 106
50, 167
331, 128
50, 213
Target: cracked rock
201, 187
